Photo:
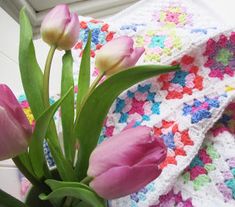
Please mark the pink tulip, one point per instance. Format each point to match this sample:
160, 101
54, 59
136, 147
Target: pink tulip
126, 162
60, 27
15, 130
116, 55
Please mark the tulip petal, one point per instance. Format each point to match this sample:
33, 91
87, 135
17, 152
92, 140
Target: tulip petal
138, 145
9, 102
12, 138
53, 25
14, 126
71, 33
112, 53
127, 61
124, 180
133, 58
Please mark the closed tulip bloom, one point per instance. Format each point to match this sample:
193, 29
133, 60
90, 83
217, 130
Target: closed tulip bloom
126, 162
60, 27
15, 130
116, 55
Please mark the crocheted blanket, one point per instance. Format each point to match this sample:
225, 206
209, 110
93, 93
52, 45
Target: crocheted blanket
192, 110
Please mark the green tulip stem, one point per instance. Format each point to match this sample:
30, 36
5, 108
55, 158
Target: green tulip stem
91, 89
95, 83
68, 201
87, 180
51, 136
46, 76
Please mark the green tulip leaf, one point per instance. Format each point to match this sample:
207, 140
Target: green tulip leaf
67, 107
25, 160
36, 153
55, 184
7, 200
92, 115
31, 74
86, 195
84, 73
64, 167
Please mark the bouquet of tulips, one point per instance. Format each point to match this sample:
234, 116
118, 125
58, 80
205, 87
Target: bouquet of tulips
85, 174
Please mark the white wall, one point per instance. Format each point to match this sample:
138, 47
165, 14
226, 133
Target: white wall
9, 42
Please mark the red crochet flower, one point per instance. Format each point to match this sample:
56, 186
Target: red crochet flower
182, 82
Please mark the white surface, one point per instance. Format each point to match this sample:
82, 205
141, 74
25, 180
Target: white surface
36, 10
9, 70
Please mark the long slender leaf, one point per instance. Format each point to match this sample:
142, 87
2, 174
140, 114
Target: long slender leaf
36, 153
31, 74
84, 73
25, 160
32, 77
93, 113
76, 192
64, 167
7, 200
67, 107
55, 184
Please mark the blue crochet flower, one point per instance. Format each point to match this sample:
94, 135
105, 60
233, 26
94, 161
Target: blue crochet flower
200, 110
169, 140
157, 41
120, 104
180, 78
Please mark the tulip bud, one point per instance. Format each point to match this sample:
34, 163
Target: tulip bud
116, 55
15, 130
60, 27
126, 162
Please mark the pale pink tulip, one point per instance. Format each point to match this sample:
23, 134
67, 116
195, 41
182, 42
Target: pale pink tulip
60, 27
116, 55
125, 163
15, 130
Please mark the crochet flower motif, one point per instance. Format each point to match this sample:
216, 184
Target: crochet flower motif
131, 29
26, 108
220, 56
173, 15
137, 106
100, 35
173, 199
182, 82
201, 165
141, 195
158, 43
227, 188
174, 139
226, 122
200, 109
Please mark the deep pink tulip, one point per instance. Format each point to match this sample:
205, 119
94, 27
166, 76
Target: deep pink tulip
15, 130
60, 27
126, 162
116, 55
